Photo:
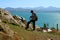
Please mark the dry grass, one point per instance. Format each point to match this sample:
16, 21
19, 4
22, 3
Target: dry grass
29, 35
33, 35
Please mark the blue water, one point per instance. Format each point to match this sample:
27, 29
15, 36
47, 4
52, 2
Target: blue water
50, 18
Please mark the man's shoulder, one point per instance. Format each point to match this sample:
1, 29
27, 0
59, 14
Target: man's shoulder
34, 13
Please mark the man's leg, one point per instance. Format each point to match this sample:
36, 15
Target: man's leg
33, 25
27, 26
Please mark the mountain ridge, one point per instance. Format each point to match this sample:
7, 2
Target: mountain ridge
50, 8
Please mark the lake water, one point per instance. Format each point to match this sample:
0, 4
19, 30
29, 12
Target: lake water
50, 18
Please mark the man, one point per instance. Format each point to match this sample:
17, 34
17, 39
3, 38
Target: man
33, 18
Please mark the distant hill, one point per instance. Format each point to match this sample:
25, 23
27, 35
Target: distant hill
16, 9
50, 8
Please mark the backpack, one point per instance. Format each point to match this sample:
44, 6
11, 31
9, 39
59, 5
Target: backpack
34, 17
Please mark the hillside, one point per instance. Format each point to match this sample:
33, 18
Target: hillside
33, 35
13, 28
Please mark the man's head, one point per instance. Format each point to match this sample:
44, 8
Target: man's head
32, 11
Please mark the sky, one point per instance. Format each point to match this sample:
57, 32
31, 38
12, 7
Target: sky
29, 3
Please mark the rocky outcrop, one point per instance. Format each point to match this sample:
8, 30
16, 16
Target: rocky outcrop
7, 17
20, 20
7, 33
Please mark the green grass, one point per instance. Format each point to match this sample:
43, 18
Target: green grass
0, 37
33, 35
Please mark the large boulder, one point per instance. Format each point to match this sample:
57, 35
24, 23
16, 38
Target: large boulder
19, 19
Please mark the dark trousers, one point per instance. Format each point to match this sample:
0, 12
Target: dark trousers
33, 21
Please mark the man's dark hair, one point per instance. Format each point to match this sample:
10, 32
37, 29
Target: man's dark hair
31, 11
